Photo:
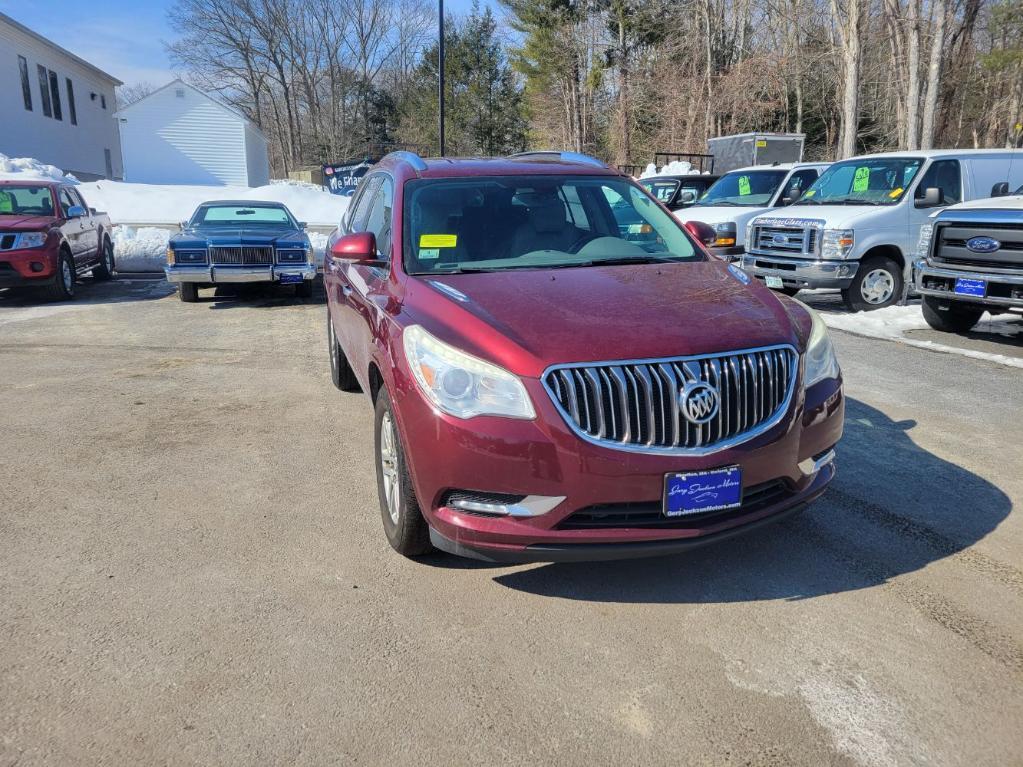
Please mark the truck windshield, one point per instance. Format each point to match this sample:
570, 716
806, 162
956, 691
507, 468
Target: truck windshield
244, 215
22, 200
538, 222
746, 188
868, 181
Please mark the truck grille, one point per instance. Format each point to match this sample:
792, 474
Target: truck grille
784, 239
636, 405
950, 245
237, 256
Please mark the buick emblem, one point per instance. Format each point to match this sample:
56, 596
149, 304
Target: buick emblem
983, 244
699, 402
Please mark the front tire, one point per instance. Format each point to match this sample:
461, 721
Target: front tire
341, 373
878, 283
404, 525
63, 287
949, 318
105, 269
189, 292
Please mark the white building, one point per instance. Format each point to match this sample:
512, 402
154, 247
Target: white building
180, 135
56, 107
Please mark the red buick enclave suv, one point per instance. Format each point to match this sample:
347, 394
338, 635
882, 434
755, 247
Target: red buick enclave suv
561, 372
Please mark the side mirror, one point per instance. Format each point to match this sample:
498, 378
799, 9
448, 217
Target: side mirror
75, 211
791, 195
302, 225
183, 224
358, 248
932, 198
705, 233
92, 211
1000, 189
686, 197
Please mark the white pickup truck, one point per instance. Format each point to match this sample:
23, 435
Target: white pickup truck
742, 194
858, 227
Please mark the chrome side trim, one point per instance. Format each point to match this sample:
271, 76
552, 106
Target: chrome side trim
811, 466
530, 506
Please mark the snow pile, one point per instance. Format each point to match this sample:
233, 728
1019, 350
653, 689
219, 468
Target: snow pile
28, 169
171, 204
893, 322
673, 168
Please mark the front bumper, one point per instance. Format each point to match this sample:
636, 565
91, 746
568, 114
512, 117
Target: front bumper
801, 273
543, 458
1003, 289
216, 275
16, 268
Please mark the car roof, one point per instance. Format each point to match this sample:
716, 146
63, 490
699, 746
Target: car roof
535, 165
782, 166
245, 203
929, 153
30, 182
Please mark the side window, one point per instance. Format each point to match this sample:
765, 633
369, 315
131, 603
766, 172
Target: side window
66, 201
361, 203
79, 200
379, 219
944, 175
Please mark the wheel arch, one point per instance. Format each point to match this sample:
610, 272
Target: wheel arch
890, 251
376, 381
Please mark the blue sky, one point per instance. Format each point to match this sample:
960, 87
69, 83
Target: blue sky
122, 37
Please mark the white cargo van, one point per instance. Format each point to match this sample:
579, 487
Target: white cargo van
858, 226
738, 196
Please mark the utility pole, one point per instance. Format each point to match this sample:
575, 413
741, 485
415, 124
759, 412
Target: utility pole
440, 79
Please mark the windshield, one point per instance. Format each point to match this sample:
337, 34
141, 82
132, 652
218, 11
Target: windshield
878, 181
254, 215
747, 188
514, 222
30, 200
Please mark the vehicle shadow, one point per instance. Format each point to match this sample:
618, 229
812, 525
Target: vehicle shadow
258, 296
892, 509
124, 288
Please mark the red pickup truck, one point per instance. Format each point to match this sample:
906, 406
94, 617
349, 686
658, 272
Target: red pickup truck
49, 237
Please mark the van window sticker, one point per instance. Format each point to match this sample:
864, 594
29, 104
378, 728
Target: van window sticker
861, 180
744, 186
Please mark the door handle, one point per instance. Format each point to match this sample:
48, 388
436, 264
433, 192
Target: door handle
346, 290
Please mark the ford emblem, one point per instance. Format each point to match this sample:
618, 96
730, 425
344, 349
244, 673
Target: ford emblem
699, 402
780, 239
983, 244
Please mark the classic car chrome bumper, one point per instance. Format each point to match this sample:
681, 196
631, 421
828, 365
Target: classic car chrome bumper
801, 273
928, 279
216, 275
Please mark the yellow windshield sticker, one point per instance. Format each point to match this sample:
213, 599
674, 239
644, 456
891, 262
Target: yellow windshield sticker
438, 240
861, 181
761, 143
895, 193
744, 187
810, 193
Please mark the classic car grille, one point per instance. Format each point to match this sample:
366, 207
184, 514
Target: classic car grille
950, 247
7, 241
236, 256
784, 240
635, 405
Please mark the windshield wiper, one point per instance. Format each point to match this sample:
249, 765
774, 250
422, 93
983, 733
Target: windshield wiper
619, 261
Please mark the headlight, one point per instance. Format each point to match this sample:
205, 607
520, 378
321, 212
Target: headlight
32, 240
837, 243
820, 354
460, 384
923, 244
189, 256
725, 234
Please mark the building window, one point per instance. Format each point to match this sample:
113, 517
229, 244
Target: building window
71, 101
180, 93
109, 162
55, 95
26, 86
103, 100
44, 90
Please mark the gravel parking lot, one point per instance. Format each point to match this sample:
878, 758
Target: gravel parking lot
192, 570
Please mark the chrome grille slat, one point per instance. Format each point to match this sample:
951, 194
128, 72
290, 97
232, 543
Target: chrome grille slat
245, 255
634, 405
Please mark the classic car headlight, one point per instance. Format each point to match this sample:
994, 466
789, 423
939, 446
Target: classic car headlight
923, 244
291, 256
188, 256
836, 243
460, 384
821, 362
725, 234
31, 240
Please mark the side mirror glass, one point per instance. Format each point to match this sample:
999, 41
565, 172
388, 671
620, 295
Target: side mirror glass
75, 211
1000, 189
705, 233
686, 196
358, 248
302, 225
931, 198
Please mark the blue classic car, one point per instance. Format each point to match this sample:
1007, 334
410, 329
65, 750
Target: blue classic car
232, 241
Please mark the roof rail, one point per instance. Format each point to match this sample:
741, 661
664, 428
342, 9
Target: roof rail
577, 157
411, 158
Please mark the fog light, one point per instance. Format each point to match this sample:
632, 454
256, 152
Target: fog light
35, 266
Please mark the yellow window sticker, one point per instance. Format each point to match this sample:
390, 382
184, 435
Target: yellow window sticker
861, 180
761, 143
810, 193
438, 240
895, 193
744, 187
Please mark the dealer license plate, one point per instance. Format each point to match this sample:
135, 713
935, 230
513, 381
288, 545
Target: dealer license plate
697, 492
774, 282
967, 286
291, 279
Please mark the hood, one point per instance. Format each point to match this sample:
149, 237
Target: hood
233, 235
17, 222
1008, 202
836, 216
526, 320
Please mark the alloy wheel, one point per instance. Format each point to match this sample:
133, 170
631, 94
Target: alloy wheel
877, 286
389, 467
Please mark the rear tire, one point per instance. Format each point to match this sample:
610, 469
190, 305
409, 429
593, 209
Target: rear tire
949, 318
304, 289
105, 269
63, 287
878, 284
404, 525
341, 372
189, 292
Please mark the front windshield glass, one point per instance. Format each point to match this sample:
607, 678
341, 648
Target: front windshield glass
516, 222
868, 181
746, 188
26, 200
245, 215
